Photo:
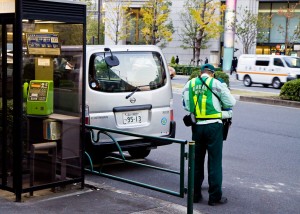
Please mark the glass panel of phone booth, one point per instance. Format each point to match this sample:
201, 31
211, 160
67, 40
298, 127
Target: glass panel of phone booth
53, 137
6, 105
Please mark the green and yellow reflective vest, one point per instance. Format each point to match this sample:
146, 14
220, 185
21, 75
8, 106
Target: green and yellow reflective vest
205, 108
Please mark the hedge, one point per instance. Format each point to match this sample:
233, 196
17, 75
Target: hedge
183, 69
291, 90
223, 77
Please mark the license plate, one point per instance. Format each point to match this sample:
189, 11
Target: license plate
132, 118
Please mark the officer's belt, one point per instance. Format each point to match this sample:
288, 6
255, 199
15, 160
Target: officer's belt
202, 119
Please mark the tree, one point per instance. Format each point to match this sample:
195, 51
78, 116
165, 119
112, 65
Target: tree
92, 30
117, 19
250, 28
206, 15
157, 27
93, 24
190, 28
290, 35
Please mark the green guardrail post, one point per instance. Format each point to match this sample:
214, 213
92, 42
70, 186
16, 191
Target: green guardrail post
191, 168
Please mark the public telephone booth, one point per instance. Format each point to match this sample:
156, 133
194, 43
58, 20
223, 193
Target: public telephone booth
42, 71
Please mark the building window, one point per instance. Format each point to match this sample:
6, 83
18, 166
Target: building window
277, 32
265, 11
263, 49
278, 22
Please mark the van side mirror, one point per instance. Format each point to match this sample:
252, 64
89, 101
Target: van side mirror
111, 60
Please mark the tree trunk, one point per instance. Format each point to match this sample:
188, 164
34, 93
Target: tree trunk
286, 52
246, 49
198, 47
194, 53
200, 36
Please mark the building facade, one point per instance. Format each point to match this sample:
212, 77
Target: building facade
274, 43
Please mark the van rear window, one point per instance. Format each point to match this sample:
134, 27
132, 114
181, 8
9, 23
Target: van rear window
262, 62
137, 71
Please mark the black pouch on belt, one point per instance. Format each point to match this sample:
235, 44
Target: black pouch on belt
189, 119
226, 126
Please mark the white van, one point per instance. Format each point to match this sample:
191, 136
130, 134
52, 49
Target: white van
128, 88
267, 70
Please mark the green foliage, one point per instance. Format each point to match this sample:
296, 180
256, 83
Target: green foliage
222, 75
173, 60
291, 90
70, 34
183, 69
92, 31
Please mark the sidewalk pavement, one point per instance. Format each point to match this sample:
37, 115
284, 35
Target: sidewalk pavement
99, 198
94, 198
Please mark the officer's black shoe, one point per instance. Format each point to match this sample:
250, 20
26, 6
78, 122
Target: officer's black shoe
223, 200
197, 198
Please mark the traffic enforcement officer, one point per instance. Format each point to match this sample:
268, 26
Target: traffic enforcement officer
208, 131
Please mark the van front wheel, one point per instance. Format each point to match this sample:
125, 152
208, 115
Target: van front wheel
247, 81
276, 83
139, 152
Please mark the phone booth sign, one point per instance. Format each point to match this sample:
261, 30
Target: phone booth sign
42, 90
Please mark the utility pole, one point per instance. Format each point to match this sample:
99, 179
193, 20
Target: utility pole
99, 19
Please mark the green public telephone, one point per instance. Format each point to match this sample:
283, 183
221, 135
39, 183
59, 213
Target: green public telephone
40, 97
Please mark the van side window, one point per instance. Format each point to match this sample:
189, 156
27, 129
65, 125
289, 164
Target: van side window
278, 62
262, 62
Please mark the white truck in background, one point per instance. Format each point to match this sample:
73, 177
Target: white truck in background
267, 70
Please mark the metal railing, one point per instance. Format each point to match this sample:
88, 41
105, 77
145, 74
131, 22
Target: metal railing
190, 156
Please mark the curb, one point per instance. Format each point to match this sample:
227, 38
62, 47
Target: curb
271, 101
161, 205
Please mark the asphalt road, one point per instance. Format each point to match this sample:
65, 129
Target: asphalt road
260, 163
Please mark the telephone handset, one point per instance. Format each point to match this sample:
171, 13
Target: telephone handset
25, 90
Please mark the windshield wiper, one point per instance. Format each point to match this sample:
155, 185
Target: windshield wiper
135, 90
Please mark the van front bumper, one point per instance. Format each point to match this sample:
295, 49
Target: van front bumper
289, 78
125, 145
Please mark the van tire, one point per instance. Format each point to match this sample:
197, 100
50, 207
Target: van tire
276, 83
247, 81
139, 152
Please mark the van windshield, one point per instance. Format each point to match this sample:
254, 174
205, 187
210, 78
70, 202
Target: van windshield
140, 71
292, 62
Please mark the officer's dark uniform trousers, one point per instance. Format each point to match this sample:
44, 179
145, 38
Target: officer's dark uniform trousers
208, 137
